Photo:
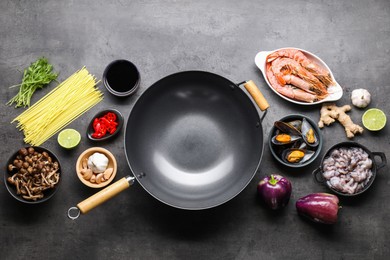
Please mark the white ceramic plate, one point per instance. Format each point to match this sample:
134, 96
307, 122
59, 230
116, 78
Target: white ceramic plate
335, 91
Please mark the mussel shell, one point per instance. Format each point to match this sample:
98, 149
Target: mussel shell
300, 144
287, 128
294, 138
306, 126
307, 155
297, 124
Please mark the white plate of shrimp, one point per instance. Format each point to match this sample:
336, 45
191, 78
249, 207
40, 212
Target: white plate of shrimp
298, 76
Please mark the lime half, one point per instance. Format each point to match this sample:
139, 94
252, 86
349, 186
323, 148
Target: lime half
68, 138
374, 119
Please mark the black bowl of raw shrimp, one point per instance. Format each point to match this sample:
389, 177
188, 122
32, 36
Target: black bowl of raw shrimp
33, 175
277, 150
349, 168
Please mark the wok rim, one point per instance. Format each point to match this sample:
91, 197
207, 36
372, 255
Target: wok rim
261, 148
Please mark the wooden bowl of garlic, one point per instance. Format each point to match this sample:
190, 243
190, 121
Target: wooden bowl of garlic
96, 167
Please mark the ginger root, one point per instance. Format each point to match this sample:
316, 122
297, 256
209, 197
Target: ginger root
330, 113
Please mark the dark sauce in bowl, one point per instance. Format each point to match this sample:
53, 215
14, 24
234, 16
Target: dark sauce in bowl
121, 78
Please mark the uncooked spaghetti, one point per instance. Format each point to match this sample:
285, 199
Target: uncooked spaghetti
58, 108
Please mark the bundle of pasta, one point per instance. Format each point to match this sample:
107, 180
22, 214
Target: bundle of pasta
58, 108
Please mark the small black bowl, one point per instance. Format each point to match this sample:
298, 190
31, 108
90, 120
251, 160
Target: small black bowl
119, 120
121, 78
47, 193
318, 173
273, 147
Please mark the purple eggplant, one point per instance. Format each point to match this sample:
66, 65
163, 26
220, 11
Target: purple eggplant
319, 207
275, 191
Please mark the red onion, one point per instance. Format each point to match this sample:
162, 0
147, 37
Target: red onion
319, 207
275, 191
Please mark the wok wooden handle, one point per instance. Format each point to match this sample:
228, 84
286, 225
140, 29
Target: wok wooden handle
258, 97
105, 194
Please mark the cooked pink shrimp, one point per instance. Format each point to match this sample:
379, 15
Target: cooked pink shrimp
296, 81
288, 90
287, 66
319, 72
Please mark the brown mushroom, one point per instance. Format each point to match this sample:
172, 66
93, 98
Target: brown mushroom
23, 152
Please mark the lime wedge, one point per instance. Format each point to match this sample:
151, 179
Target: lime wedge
374, 119
68, 138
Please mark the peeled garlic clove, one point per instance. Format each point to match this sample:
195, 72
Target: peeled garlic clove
107, 173
85, 163
87, 173
99, 178
93, 178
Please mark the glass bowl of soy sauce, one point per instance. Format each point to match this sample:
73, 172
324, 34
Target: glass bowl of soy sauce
121, 78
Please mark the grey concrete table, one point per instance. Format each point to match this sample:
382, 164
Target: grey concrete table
164, 37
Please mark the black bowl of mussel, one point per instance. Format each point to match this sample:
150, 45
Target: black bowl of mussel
295, 141
33, 175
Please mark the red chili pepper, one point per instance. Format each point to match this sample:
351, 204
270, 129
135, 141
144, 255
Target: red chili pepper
105, 121
95, 122
97, 126
104, 124
110, 116
97, 135
111, 130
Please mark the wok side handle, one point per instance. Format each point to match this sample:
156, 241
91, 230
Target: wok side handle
383, 159
317, 174
256, 94
102, 196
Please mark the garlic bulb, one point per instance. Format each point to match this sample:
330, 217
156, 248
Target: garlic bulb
97, 162
360, 98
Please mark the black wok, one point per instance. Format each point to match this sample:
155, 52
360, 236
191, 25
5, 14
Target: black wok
193, 140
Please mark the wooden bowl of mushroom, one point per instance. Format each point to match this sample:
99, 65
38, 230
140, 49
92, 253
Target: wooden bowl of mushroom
96, 167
